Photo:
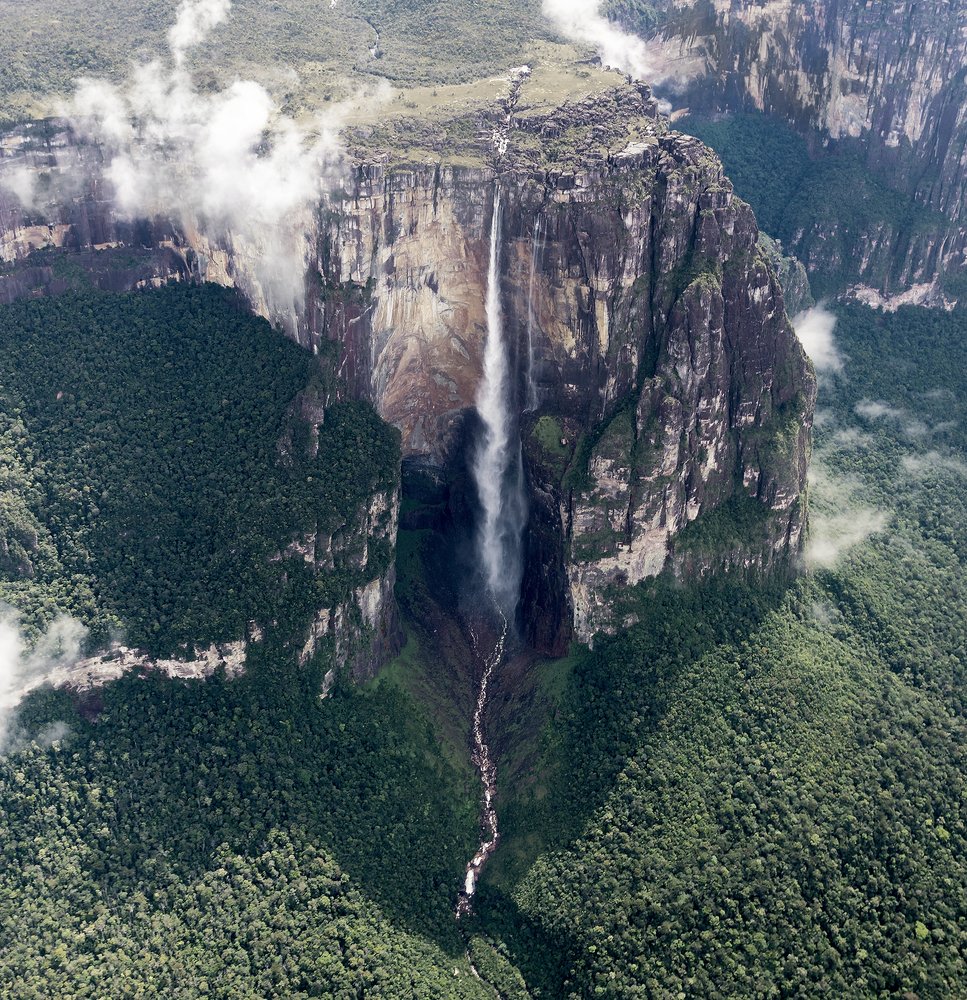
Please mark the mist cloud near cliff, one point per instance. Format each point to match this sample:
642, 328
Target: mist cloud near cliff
22, 668
839, 518
654, 62
226, 165
582, 21
814, 328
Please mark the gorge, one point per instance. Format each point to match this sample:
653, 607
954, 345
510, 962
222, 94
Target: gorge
595, 346
498, 475
475, 524
671, 385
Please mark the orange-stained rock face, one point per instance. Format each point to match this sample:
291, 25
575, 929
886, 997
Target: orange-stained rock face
670, 383
421, 260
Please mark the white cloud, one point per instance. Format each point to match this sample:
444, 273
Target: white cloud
23, 669
582, 21
932, 462
831, 536
814, 327
195, 20
226, 165
850, 437
913, 428
22, 183
655, 62
839, 520
875, 409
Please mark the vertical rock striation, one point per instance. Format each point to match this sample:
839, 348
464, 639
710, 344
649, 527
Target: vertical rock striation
887, 80
671, 384
675, 403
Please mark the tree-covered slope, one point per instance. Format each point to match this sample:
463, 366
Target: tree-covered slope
756, 794
233, 838
753, 792
142, 439
192, 834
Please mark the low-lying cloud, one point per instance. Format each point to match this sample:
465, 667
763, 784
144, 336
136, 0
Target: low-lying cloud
226, 166
850, 437
22, 669
933, 462
582, 21
814, 327
875, 409
194, 23
21, 182
652, 62
911, 426
839, 519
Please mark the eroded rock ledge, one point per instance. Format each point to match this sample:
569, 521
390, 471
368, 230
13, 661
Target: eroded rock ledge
675, 403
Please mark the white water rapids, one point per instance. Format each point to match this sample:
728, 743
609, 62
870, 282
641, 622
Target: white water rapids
498, 473
488, 774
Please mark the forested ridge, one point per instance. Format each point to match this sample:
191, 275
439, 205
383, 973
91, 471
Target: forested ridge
229, 838
758, 793
144, 436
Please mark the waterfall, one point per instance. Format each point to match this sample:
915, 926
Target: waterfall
498, 470
497, 464
533, 399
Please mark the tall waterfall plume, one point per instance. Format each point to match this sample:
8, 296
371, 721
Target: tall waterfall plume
497, 464
498, 472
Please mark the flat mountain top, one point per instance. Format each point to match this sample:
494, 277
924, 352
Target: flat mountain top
419, 57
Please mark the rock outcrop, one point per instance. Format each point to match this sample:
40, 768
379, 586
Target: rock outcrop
674, 400
362, 630
670, 383
884, 80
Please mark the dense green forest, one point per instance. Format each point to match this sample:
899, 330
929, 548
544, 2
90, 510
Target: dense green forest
761, 794
143, 436
756, 791
229, 838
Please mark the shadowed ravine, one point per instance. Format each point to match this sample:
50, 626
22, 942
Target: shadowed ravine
484, 763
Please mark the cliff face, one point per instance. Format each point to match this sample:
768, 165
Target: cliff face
669, 382
363, 631
888, 80
644, 322
59, 228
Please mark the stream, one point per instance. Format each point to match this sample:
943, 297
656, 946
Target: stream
484, 763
